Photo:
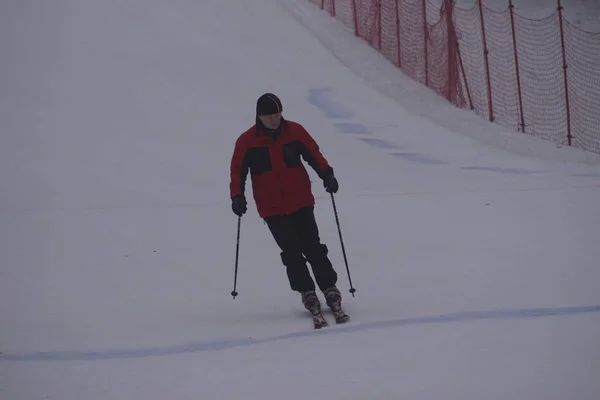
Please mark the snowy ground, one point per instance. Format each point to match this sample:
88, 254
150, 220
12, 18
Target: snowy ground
474, 250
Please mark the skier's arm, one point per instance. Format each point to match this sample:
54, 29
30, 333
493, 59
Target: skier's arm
312, 155
238, 170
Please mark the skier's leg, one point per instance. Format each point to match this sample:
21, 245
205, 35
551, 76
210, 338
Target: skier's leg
287, 239
316, 253
286, 236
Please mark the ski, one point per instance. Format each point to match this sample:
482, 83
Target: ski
341, 317
319, 321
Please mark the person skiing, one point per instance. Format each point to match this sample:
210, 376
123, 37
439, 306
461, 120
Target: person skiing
271, 150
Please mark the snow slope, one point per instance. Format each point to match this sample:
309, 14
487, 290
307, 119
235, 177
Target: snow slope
473, 249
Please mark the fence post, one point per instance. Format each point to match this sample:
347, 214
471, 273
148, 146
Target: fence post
564, 59
487, 63
378, 5
462, 68
333, 8
355, 18
398, 35
514, 37
425, 37
448, 10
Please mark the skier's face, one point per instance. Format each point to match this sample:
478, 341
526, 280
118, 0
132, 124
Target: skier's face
271, 121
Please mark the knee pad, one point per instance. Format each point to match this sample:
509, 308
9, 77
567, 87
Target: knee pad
290, 259
317, 251
325, 249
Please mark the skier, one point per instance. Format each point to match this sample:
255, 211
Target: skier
271, 150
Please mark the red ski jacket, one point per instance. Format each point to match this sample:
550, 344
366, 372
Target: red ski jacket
280, 183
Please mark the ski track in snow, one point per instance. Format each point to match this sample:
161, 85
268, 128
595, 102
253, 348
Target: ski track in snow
219, 345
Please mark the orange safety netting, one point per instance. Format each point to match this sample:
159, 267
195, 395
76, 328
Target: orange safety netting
539, 76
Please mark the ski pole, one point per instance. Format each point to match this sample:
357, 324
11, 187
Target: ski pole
237, 252
352, 290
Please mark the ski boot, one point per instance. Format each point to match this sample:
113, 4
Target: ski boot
313, 305
333, 297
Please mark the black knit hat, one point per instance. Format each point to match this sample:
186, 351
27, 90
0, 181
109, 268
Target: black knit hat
268, 104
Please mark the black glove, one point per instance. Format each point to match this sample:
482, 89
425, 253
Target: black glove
239, 205
330, 183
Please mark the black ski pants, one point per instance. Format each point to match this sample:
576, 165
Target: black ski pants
297, 235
